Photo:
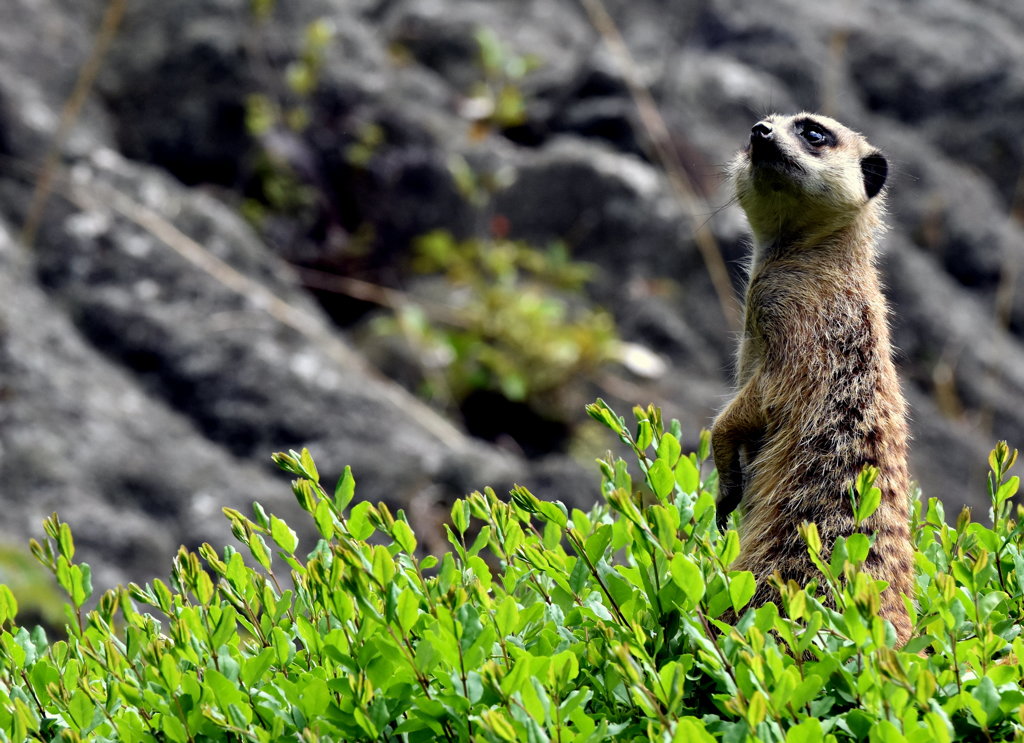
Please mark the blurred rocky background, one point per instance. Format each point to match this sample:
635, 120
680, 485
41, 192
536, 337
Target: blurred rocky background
417, 236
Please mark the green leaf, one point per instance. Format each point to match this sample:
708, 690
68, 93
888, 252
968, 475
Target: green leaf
404, 537
42, 674
283, 535
254, 667
553, 512
259, 550
687, 475
809, 532
224, 690
600, 412
741, 588
598, 542
383, 565
939, 728
305, 494
669, 449
359, 525
65, 542
8, 605
286, 462
308, 465
469, 616
75, 579
506, 617
691, 730
225, 626
408, 610
644, 434
988, 697
344, 490
884, 731
480, 542
812, 684
869, 503
172, 727
82, 709
261, 515
688, 577
564, 668
314, 697
460, 515
664, 521
662, 479
1008, 489
857, 547
730, 547
323, 516
808, 731
497, 724
757, 709
282, 646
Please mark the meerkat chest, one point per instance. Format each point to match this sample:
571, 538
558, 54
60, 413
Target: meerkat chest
809, 319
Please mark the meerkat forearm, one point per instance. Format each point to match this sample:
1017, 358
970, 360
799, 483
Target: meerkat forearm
739, 425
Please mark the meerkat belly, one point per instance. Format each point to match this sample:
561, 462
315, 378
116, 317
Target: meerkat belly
824, 425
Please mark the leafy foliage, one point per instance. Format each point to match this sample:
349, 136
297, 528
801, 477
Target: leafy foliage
540, 624
497, 100
284, 107
517, 323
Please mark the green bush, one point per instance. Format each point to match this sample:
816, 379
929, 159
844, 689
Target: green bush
541, 624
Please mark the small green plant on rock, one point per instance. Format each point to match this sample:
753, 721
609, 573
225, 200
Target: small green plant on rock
515, 322
542, 623
497, 100
284, 107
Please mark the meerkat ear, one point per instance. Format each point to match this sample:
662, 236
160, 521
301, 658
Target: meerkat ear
874, 169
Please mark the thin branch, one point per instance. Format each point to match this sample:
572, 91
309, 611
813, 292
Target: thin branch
665, 153
308, 324
69, 116
383, 296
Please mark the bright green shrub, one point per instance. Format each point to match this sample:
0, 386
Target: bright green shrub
541, 624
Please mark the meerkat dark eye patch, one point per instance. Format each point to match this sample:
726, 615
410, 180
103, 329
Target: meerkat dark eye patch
875, 169
815, 135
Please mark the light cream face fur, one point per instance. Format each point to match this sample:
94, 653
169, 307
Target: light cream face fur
805, 176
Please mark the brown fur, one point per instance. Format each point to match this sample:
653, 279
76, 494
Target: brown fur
818, 395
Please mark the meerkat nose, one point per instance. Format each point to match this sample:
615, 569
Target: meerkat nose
761, 131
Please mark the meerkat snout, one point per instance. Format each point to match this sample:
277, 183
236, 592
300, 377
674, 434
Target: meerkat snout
761, 130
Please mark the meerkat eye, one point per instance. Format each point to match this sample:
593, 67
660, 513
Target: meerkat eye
815, 134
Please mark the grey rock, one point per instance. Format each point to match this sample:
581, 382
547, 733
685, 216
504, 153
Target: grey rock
142, 387
80, 435
958, 78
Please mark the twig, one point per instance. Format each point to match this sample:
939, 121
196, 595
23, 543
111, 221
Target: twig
665, 153
68, 116
308, 324
383, 296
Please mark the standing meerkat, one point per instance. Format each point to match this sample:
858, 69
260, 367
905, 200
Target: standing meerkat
818, 395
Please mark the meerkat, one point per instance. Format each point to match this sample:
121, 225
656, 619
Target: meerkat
818, 395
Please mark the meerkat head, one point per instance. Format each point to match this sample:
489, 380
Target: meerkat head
804, 177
